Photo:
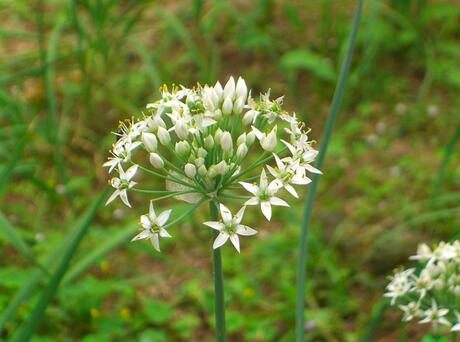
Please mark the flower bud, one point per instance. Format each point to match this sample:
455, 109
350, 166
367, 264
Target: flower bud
268, 142
156, 161
242, 151
209, 142
190, 170
227, 106
217, 114
155, 122
238, 106
241, 139
222, 168
163, 136
217, 136
212, 172
249, 117
150, 141
199, 161
229, 89
219, 91
182, 148
202, 152
226, 142
202, 171
241, 89
181, 129
250, 138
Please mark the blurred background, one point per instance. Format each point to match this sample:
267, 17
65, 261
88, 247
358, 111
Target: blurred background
70, 70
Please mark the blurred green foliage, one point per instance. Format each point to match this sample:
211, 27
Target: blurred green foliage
70, 70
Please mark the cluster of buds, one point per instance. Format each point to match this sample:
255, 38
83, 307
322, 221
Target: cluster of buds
207, 144
430, 292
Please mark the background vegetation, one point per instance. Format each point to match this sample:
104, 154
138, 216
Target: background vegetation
70, 70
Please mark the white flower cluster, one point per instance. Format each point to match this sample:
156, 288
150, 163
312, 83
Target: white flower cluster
198, 141
430, 292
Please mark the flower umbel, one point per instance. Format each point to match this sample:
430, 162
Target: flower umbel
430, 294
202, 143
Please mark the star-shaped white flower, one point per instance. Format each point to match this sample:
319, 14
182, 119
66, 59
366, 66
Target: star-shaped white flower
435, 315
230, 227
287, 174
122, 184
264, 195
153, 227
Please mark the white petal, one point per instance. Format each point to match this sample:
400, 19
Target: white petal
145, 222
235, 241
220, 240
266, 209
115, 194
245, 230
152, 213
163, 217
258, 133
252, 188
312, 169
225, 213
142, 235
214, 225
124, 197
289, 146
239, 214
154, 239
291, 190
278, 201
272, 171
164, 233
252, 201
279, 163
131, 172
263, 180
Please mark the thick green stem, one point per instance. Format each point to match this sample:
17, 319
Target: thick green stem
335, 105
219, 303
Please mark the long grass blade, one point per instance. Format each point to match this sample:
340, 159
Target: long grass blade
16, 240
332, 116
28, 328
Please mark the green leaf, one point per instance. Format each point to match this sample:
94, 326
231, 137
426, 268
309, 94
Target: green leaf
157, 312
151, 335
28, 328
303, 59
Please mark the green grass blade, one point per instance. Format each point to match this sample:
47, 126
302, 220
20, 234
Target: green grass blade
16, 240
377, 315
335, 106
97, 254
28, 328
447, 155
7, 170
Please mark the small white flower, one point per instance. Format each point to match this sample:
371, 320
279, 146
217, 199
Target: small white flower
153, 227
122, 184
410, 311
287, 174
267, 141
435, 315
264, 195
230, 227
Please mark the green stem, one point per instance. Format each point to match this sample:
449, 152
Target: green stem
335, 105
219, 304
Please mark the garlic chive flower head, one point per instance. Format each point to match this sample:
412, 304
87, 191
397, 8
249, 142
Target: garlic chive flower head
430, 292
211, 143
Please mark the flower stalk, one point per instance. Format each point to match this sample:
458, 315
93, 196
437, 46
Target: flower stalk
219, 298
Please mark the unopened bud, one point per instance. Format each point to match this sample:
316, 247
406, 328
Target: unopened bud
156, 161
209, 142
226, 142
182, 148
163, 136
227, 107
241, 139
238, 106
202, 170
242, 151
150, 141
190, 170
268, 142
241, 89
229, 89
181, 129
250, 138
249, 116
